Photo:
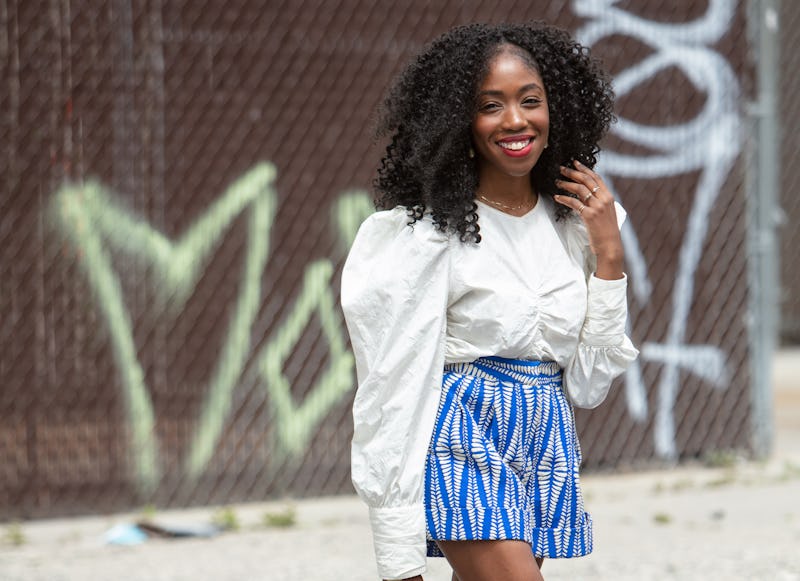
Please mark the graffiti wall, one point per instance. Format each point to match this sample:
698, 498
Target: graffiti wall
182, 181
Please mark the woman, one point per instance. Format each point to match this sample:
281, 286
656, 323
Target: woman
484, 301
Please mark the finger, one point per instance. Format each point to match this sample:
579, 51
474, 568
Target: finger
579, 176
582, 169
598, 188
583, 173
580, 190
571, 202
586, 189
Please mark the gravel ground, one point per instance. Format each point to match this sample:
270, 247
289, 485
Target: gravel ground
739, 520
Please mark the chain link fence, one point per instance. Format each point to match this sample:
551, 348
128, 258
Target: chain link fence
182, 181
790, 147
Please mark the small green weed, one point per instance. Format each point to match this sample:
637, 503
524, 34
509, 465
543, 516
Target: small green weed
148, 512
15, 535
280, 519
721, 459
662, 518
226, 519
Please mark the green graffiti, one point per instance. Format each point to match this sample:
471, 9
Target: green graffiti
237, 345
349, 211
95, 224
296, 423
73, 204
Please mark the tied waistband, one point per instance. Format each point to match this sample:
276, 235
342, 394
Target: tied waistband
515, 370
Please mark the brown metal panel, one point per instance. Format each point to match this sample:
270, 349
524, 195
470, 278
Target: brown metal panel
168, 339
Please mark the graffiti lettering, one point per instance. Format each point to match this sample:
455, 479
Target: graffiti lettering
95, 223
707, 143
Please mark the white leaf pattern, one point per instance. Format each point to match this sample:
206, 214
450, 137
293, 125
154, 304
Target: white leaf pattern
505, 459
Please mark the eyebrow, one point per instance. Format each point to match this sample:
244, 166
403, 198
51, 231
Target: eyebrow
523, 89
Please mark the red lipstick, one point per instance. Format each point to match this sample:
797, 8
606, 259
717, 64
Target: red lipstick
516, 139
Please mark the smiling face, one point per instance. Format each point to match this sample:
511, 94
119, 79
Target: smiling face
511, 122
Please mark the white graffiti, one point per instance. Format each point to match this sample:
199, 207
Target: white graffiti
709, 144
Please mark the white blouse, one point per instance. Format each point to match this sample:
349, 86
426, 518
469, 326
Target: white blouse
415, 298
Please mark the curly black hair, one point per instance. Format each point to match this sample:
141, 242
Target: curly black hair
429, 110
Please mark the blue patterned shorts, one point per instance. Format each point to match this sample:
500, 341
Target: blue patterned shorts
504, 459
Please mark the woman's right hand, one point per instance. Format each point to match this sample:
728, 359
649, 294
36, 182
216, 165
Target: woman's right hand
594, 203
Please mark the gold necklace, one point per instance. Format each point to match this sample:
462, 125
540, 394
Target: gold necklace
504, 206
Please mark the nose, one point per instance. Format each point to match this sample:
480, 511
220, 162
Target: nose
513, 118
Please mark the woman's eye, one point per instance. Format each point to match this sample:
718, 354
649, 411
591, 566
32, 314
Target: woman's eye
489, 107
532, 101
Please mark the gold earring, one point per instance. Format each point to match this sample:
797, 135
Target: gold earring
471, 153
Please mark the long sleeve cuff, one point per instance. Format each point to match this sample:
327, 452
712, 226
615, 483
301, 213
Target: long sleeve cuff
399, 555
606, 313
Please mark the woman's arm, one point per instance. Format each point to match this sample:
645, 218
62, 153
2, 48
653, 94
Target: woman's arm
604, 350
394, 296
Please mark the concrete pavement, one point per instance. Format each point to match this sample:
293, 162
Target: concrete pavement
737, 521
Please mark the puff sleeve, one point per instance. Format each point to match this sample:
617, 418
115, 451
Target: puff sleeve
394, 297
604, 350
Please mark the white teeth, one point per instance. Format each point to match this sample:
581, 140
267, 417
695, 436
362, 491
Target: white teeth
514, 145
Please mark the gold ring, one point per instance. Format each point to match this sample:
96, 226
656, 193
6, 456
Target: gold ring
587, 197
583, 207
594, 189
